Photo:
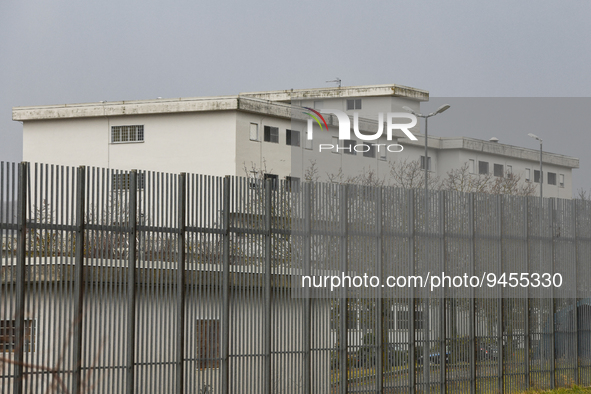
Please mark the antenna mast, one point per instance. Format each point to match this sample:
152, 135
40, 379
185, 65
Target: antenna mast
338, 80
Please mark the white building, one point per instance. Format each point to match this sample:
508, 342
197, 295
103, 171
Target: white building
231, 135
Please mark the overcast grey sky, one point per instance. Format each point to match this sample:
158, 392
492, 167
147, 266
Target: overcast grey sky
55, 52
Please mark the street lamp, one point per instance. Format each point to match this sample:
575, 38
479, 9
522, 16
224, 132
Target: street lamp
441, 109
541, 176
426, 342
541, 216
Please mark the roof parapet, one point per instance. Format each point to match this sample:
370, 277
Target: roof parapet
199, 104
342, 92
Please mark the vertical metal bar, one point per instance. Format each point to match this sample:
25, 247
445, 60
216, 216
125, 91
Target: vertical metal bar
552, 311
442, 300
344, 307
79, 277
527, 316
425, 300
307, 318
23, 170
411, 302
500, 327
576, 308
381, 336
131, 294
268, 333
180, 329
225, 340
472, 295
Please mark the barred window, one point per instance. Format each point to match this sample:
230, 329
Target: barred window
353, 104
483, 167
120, 181
292, 137
551, 178
127, 133
271, 134
498, 170
8, 336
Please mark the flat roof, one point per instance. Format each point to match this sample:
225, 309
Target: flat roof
342, 92
215, 103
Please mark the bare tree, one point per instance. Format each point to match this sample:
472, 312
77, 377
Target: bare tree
410, 175
583, 194
311, 174
365, 178
462, 180
511, 184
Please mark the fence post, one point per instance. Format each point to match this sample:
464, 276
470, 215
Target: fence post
23, 171
344, 307
79, 278
180, 329
225, 340
576, 309
442, 300
527, 333
379, 310
553, 341
307, 320
472, 295
268, 328
131, 265
411, 302
500, 326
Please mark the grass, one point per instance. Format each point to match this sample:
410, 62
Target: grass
573, 390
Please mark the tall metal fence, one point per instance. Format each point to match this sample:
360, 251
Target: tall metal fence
146, 282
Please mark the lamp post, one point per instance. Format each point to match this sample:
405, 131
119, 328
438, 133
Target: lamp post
541, 179
541, 238
541, 175
426, 328
426, 117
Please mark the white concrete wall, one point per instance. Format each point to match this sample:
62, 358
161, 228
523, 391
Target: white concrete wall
218, 143
184, 142
269, 157
453, 159
70, 142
